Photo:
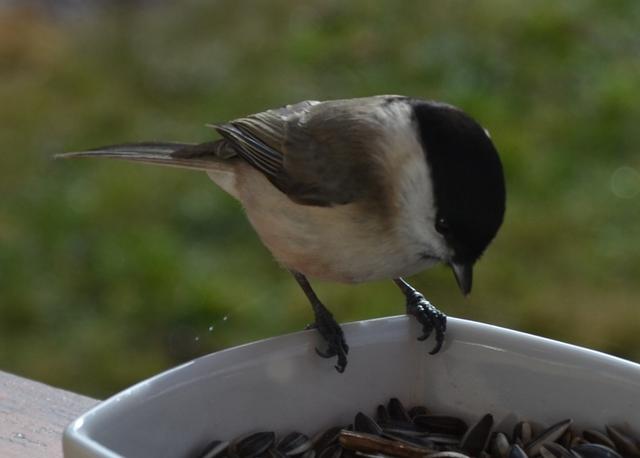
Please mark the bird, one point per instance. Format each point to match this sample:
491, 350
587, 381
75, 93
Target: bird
354, 190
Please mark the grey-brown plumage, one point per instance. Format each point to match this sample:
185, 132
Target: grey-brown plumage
300, 152
354, 190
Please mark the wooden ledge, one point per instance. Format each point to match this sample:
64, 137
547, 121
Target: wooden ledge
33, 416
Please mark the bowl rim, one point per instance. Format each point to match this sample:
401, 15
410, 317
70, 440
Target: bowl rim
77, 435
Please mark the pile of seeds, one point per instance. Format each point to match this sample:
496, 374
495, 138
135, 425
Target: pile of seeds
417, 433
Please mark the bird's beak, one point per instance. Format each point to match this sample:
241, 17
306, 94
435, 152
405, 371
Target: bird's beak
464, 276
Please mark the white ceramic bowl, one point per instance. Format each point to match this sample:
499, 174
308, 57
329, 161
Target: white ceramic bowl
280, 384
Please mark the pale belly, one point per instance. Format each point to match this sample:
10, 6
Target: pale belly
330, 243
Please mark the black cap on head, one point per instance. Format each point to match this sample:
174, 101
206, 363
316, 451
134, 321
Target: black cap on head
467, 177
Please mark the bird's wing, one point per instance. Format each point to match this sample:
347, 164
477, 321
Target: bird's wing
318, 153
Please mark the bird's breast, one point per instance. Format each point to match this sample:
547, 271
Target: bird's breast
344, 243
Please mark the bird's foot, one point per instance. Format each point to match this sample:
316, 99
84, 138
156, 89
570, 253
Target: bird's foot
331, 332
429, 317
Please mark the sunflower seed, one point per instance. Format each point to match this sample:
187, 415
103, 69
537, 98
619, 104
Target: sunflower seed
595, 451
596, 437
252, 445
566, 439
551, 434
382, 415
324, 439
214, 449
476, 438
398, 433
398, 414
555, 450
522, 430
499, 446
517, 452
624, 444
441, 424
294, 443
365, 424
368, 443
232, 448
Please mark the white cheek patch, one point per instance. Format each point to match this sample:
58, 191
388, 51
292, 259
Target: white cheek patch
414, 187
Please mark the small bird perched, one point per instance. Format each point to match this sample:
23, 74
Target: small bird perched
354, 190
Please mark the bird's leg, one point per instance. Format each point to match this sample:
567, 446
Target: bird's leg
427, 315
326, 325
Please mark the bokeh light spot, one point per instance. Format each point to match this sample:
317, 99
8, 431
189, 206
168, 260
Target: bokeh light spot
625, 182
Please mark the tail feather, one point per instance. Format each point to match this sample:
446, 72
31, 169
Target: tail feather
202, 156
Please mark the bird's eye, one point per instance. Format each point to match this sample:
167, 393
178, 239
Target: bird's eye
442, 225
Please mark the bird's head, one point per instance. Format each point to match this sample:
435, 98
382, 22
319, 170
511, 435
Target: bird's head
468, 184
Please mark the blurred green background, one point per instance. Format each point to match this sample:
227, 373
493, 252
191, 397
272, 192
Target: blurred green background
111, 272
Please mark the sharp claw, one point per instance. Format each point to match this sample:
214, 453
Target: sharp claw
342, 362
332, 334
440, 336
441, 327
326, 325
429, 317
341, 354
437, 348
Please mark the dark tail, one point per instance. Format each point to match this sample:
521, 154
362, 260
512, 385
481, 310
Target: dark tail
202, 156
